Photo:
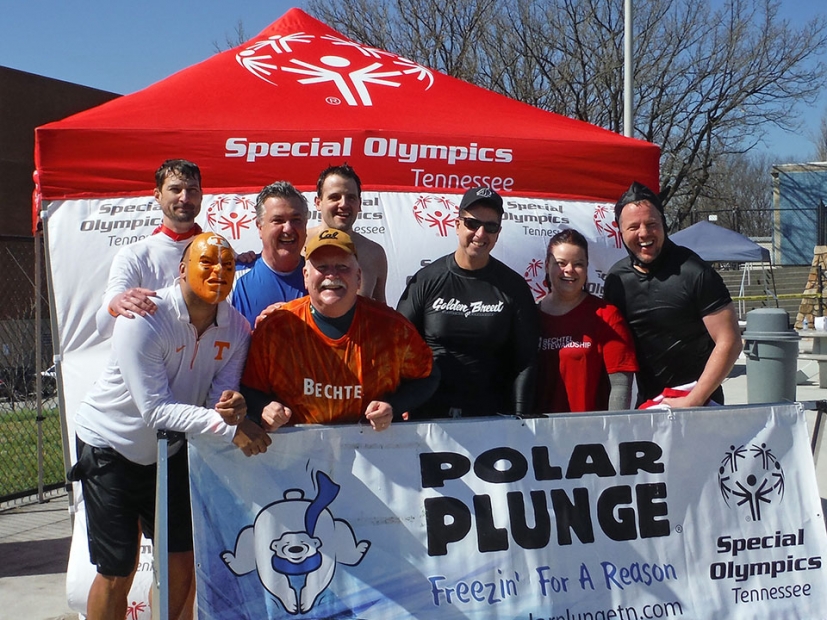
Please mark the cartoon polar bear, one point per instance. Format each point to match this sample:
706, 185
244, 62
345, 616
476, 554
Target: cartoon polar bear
296, 537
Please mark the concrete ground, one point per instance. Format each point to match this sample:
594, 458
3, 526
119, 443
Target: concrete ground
34, 550
35, 537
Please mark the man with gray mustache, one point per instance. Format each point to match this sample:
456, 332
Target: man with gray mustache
335, 356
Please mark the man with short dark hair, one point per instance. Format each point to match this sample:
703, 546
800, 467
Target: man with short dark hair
276, 276
678, 308
142, 267
151, 263
479, 318
335, 356
176, 369
339, 201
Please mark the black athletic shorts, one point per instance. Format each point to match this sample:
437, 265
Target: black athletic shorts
120, 504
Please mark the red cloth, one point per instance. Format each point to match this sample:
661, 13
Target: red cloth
195, 230
676, 392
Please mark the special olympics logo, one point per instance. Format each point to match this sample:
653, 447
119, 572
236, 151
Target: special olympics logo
535, 276
751, 477
605, 225
436, 212
354, 70
229, 215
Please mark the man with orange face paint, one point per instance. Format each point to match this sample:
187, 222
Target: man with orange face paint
176, 369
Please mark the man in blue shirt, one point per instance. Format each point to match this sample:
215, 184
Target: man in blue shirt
276, 277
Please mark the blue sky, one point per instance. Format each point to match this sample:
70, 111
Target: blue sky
124, 46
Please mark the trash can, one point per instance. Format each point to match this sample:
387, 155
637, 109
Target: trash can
771, 348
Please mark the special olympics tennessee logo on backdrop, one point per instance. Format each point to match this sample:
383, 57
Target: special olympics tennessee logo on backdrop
295, 545
230, 215
535, 276
310, 59
751, 478
605, 225
437, 213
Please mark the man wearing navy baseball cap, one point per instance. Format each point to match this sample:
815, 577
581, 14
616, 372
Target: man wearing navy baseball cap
478, 317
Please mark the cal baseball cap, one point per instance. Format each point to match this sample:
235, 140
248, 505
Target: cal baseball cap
329, 236
483, 195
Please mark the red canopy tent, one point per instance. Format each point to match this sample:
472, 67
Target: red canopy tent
292, 101
300, 96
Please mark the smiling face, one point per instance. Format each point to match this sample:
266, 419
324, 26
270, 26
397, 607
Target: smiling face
180, 200
339, 202
295, 547
332, 277
208, 268
641, 226
283, 231
475, 245
567, 268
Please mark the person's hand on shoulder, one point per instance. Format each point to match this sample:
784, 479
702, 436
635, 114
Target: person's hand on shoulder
246, 258
268, 311
133, 300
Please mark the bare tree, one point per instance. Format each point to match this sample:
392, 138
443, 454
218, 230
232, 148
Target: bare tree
235, 39
821, 140
709, 82
739, 194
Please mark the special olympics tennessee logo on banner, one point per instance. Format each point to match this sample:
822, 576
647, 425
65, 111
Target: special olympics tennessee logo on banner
437, 213
230, 215
295, 545
535, 276
350, 70
751, 478
605, 225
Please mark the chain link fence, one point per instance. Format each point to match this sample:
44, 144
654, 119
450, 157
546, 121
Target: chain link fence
31, 450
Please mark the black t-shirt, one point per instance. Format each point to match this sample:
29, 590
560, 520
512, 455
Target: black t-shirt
665, 310
483, 329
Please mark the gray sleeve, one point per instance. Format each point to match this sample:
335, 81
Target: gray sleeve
620, 391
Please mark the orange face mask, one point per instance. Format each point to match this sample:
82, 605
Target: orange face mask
210, 267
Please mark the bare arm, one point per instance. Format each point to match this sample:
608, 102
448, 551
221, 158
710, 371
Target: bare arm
723, 328
374, 264
381, 276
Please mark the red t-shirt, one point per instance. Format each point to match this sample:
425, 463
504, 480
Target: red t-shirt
327, 381
577, 352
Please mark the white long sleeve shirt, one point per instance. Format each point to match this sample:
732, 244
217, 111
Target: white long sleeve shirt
161, 375
150, 263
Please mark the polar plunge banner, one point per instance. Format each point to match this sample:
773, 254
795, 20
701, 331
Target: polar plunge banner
702, 513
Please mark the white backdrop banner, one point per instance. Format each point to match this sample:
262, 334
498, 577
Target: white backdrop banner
708, 513
414, 228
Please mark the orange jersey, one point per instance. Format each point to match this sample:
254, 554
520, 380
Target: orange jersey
327, 381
